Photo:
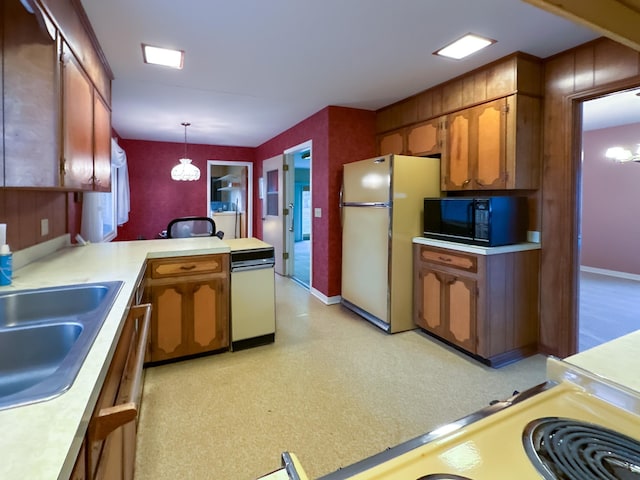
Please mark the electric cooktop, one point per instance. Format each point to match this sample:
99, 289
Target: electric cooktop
575, 428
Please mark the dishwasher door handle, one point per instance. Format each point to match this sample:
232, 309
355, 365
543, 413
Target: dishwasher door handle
245, 268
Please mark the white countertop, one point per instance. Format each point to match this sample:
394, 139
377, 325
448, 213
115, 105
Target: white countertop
617, 360
237, 244
41, 440
478, 250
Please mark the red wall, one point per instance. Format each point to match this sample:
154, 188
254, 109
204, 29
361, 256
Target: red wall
155, 198
339, 135
610, 225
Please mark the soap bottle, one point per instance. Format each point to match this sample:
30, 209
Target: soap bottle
6, 265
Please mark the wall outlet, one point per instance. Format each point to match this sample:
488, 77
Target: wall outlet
44, 227
317, 212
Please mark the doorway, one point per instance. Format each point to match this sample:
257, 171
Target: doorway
298, 233
609, 274
230, 197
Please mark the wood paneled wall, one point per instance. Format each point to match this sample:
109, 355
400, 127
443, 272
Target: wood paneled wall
588, 71
22, 211
515, 73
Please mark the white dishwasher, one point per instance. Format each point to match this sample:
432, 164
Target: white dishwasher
253, 315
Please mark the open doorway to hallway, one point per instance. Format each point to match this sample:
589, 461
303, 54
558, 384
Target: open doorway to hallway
299, 235
609, 276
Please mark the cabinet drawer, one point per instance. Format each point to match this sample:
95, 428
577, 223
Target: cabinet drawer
456, 260
181, 266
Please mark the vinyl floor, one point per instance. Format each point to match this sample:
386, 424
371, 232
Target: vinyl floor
332, 389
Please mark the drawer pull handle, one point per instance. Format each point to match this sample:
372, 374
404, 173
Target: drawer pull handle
444, 259
188, 267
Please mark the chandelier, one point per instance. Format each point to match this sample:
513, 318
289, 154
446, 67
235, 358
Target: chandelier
185, 170
623, 154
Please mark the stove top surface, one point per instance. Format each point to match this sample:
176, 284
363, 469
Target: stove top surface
493, 447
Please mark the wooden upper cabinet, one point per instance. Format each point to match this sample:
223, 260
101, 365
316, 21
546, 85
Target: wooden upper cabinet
77, 124
422, 139
425, 138
29, 143
86, 127
392, 143
55, 126
493, 146
101, 144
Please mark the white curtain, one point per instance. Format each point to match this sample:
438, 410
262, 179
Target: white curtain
119, 161
97, 208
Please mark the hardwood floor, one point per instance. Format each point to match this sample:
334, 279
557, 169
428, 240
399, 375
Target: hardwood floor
609, 308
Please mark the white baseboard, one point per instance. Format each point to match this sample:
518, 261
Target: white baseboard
611, 273
324, 299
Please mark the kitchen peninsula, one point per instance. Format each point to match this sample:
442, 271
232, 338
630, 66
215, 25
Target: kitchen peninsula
42, 440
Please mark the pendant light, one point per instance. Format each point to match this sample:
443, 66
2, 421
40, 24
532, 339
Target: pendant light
185, 170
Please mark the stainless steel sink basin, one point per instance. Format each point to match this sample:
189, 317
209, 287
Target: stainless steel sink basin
45, 335
47, 303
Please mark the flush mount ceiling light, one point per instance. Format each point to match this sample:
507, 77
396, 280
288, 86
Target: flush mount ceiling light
185, 170
162, 56
465, 46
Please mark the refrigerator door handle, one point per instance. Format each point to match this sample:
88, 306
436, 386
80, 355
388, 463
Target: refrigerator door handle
366, 204
340, 205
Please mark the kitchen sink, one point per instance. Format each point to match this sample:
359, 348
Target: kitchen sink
45, 335
28, 306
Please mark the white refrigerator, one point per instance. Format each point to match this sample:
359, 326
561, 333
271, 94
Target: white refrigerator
381, 208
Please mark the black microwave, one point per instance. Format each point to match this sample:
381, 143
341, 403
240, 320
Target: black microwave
487, 221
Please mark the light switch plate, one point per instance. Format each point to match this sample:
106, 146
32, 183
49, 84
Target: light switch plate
317, 212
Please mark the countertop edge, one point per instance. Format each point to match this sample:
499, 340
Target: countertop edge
476, 249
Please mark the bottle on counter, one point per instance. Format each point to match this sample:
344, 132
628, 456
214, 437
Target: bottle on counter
6, 265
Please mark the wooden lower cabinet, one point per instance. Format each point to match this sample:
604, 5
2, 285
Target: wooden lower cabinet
190, 299
109, 446
486, 305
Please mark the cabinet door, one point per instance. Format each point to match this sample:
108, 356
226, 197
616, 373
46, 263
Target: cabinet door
29, 144
168, 335
425, 139
457, 168
111, 435
461, 295
391, 143
101, 145
77, 123
488, 137
208, 324
428, 312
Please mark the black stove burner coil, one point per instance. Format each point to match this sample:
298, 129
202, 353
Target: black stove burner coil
574, 450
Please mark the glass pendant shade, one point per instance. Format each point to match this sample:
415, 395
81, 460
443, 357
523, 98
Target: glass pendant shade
185, 170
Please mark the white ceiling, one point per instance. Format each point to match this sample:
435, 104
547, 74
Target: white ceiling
621, 108
254, 68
